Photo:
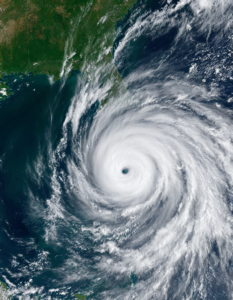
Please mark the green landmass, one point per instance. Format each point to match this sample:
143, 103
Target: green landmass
3, 291
39, 35
80, 297
55, 36
3, 286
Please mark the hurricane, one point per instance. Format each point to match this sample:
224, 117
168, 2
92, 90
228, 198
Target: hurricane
133, 198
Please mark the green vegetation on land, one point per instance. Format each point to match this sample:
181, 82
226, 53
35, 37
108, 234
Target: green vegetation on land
80, 297
3, 286
35, 35
3, 291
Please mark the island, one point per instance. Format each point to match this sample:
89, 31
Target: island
80, 297
3, 291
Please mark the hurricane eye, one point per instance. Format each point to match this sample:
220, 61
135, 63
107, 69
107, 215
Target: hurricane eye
125, 171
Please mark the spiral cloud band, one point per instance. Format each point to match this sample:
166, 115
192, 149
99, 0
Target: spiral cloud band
153, 169
159, 176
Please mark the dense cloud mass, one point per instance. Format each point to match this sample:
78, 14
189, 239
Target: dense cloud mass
141, 187
154, 166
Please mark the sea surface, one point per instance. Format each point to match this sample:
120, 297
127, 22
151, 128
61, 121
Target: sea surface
133, 199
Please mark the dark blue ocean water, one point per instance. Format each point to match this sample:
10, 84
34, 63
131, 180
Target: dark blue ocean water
31, 123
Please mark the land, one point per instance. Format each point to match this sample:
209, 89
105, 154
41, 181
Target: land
80, 297
56, 36
3, 291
